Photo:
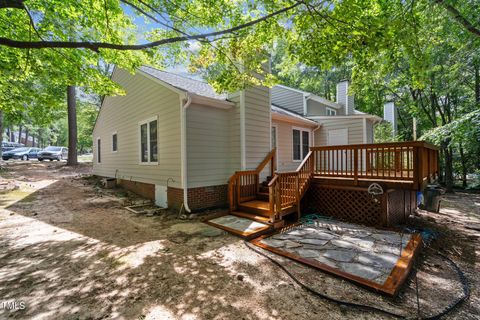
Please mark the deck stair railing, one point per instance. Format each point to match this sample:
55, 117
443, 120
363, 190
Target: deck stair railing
286, 189
244, 185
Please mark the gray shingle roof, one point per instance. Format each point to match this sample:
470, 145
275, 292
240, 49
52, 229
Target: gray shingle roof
285, 112
185, 84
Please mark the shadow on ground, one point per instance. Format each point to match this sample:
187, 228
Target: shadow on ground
71, 251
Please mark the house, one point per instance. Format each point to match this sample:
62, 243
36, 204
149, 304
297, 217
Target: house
176, 140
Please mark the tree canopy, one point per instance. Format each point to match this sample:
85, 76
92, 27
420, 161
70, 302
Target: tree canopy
424, 54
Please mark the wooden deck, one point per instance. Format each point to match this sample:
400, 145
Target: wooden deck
407, 166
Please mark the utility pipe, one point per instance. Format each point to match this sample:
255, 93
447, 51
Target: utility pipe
184, 150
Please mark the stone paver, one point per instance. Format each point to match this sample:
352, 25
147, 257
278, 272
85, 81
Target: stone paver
340, 255
305, 253
318, 242
292, 244
362, 251
358, 269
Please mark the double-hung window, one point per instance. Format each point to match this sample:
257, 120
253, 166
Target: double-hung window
301, 144
149, 141
331, 112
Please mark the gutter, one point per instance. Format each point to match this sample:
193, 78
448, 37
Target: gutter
183, 130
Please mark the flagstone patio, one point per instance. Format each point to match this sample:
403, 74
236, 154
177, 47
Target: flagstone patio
360, 251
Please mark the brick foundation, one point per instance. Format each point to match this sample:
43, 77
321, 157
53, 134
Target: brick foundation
199, 198
145, 190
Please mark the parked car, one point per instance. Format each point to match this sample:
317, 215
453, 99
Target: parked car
24, 153
7, 146
53, 153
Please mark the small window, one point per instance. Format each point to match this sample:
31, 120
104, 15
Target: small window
99, 150
114, 142
301, 144
305, 143
149, 141
296, 145
331, 112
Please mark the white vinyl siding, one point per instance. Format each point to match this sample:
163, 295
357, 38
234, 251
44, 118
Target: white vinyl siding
144, 99
354, 126
234, 133
289, 99
316, 108
348, 102
257, 125
370, 126
284, 130
208, 146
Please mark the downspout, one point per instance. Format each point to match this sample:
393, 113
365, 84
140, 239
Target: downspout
183, 134
313, 133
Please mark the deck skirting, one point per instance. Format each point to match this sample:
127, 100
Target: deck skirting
355, 204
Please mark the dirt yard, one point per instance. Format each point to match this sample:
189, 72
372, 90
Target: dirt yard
69, 250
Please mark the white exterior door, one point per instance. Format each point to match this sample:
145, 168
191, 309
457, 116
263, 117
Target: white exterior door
338, 160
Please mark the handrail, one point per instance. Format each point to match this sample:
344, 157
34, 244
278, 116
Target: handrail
287, 188
269, 157
244, 185
304, 161
383, 144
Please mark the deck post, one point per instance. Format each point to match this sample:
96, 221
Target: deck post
355, 166
271, 201
416, 166
297, 188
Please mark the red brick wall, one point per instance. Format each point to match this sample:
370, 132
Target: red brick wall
145, 190
199, 198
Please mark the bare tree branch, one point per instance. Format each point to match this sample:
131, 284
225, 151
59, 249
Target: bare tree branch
459, 18
96, 46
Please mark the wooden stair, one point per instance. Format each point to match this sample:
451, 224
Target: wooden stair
269, 201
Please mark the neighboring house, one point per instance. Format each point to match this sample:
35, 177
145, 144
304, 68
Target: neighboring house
175, 140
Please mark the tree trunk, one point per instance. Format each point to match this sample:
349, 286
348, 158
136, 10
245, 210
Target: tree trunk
72, 126
463, 161
33, 140
26, 136
448, 153
477, 83
20, 128
1, 131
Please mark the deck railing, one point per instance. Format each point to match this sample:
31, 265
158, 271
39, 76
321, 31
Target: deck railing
413, 162
244, 185
286, 189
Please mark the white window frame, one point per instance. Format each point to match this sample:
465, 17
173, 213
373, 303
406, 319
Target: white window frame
140, 123
113, 134
274, 125
332, 112
99, 156
302, 156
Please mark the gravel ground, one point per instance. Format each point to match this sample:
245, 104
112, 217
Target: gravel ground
69, 250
